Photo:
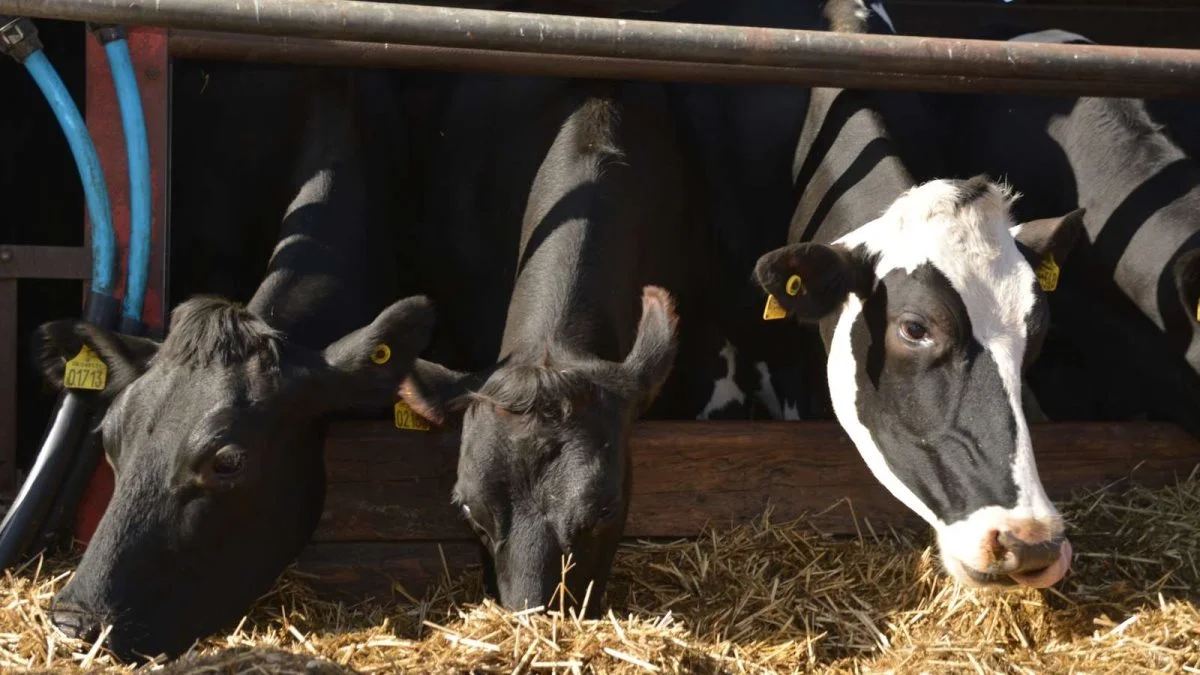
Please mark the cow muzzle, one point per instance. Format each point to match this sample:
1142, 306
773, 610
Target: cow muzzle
74, 621
1006, 559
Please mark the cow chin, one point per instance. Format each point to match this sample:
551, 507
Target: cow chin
1006, 549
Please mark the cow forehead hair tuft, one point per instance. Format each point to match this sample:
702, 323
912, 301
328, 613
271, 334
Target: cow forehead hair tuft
207, 331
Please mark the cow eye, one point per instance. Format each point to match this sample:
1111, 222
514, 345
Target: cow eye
914, 331
604, 518
228, 461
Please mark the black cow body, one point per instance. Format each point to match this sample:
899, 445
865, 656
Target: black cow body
1126, 338
215, 435
597, 259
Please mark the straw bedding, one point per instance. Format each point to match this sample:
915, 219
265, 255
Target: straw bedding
762, 598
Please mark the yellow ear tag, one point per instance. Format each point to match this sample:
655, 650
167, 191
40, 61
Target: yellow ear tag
1198, 310
381, 355
795, 286
407, 418
85, 371
773, 310
1047, 273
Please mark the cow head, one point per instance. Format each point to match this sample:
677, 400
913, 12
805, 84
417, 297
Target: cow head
214, 441
544, 468
929, 315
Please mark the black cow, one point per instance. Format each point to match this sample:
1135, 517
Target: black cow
1126, 339
603, 233
215, 434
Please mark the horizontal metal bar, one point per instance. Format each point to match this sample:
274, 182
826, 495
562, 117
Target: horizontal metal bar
888, 55
194, 44
45, 262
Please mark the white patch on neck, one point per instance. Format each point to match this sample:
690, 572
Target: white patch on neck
878, 8
790, 413
315, 188
725, 390
766, 392
973, 248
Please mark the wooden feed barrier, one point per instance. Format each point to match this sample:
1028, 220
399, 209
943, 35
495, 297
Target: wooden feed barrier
388, 510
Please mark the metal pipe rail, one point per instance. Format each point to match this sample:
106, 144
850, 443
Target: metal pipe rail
197, 44
874, 59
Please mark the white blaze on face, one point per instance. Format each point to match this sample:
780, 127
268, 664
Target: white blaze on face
972, 246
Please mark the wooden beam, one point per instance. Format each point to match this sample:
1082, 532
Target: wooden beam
375, 569
45, 262
390, 485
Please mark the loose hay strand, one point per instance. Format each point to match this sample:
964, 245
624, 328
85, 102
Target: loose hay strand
761, 598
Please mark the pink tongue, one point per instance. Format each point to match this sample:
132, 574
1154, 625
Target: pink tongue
1049, 576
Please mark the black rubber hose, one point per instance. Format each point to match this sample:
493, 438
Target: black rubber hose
70, 422
53, 461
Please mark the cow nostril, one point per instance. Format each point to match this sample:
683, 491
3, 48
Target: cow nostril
74, 621
1023, 557
998, 554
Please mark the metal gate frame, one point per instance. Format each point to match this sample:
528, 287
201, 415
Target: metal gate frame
375, 34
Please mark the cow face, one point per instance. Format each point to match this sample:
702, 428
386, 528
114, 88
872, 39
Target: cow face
929, 315
543, 469
214, 441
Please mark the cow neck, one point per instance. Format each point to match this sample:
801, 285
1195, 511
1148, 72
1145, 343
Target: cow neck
317, 280
570, 293
1141, 192
847, 169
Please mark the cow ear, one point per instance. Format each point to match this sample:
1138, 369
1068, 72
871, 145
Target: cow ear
437, 393
366, 366
1187, 280
124, 358
1040, 239
653, 353
807, 281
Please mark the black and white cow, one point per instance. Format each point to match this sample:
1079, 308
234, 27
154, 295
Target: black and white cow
215, 434
1126, 338
607, 265
928, 311
929, 314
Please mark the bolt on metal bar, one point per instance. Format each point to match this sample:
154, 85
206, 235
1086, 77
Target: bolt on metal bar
819, 51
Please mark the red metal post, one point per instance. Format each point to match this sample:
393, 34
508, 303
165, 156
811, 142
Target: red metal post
148, 48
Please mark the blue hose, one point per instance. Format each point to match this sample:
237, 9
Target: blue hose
104, 241
138, 152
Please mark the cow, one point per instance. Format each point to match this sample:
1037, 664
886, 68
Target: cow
1135, 280
602, 264
926, 311
929, 313
215, 434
